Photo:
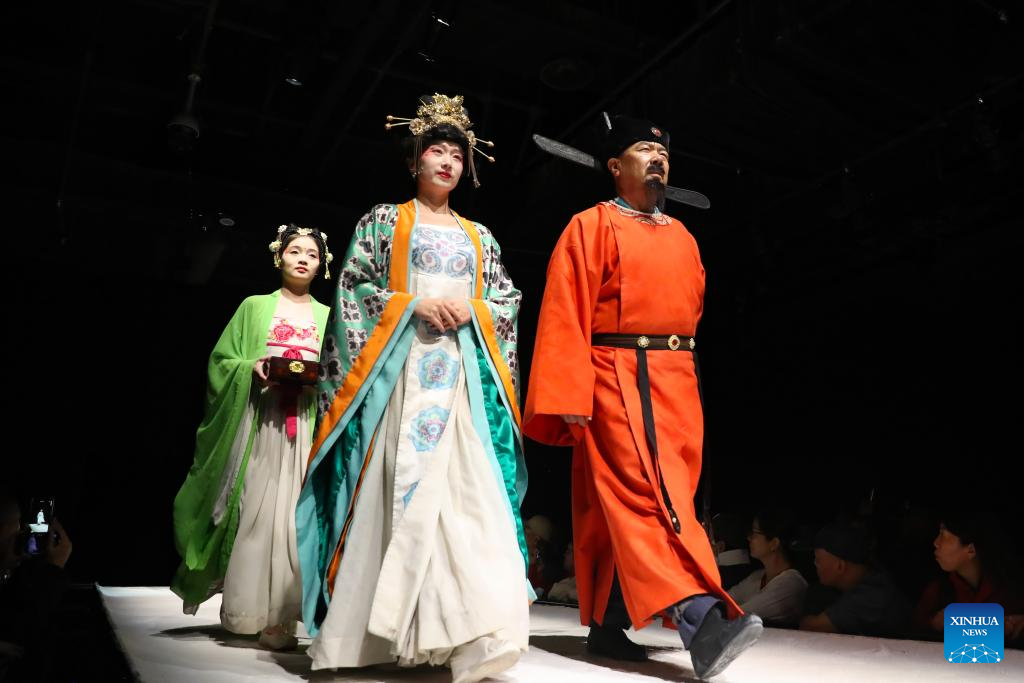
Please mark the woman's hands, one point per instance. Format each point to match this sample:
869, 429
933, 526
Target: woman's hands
443, 314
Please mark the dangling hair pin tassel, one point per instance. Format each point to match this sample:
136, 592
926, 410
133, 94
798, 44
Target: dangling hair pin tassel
484, 154
402, 122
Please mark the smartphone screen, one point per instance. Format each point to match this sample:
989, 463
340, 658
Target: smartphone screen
40, 515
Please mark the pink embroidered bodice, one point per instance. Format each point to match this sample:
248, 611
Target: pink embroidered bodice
293, 338
299, 340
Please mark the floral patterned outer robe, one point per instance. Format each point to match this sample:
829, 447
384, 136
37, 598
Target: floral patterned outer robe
366, 344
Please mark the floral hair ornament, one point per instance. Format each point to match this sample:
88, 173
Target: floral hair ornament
275, 246
436, 111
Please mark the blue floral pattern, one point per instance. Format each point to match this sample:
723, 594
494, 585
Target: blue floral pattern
437, 251
438, 370
426, 428
408, 494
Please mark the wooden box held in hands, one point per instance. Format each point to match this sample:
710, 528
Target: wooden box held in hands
293, 370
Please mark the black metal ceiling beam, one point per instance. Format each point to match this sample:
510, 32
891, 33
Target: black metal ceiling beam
368, 37
933, 123
647, 67
412, 27
814, 61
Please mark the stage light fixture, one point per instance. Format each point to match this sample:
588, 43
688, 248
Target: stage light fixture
183, 129
300, 60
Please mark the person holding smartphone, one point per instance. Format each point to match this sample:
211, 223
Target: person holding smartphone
234, 517
31, 587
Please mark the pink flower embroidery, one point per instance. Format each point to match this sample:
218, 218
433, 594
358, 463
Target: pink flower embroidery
282, 331
304, 332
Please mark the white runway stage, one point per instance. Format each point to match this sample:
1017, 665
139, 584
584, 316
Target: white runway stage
165, 646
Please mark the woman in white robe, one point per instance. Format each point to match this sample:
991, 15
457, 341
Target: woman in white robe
410, 537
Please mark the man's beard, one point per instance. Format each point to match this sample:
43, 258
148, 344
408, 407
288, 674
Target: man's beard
656, 191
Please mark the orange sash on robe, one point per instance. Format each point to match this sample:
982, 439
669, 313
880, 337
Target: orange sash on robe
612, 273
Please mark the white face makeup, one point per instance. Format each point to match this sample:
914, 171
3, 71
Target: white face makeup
440, 166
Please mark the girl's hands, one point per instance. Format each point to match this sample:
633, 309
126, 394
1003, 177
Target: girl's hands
260, 370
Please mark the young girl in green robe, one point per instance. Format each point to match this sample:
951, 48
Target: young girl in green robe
234, 520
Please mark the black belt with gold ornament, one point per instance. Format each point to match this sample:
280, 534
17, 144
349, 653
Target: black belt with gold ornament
643, 343
650, 342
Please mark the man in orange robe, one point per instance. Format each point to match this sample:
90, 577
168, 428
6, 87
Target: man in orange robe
614, 376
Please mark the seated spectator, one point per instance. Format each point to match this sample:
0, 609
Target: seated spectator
730, 531
776, 592
979, 564
31, 588
565, 590
543, 571
869, 603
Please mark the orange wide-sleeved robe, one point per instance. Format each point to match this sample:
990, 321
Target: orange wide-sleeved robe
613, 272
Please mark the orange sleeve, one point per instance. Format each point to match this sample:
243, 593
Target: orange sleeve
561, 374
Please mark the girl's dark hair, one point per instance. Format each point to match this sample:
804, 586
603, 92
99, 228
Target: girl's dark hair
292, 231
443, 133
780, 524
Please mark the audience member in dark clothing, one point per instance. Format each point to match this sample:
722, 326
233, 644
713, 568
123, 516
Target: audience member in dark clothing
30, 589
904, 548
731, 554
980, 566
869, 602
545, 562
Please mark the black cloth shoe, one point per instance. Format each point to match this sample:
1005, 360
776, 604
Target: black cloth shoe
613, 643
718, 641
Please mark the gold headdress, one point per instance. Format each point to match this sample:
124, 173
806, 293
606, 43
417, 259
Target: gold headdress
276, 245
436, 111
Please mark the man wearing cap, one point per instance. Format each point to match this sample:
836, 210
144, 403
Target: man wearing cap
869, 603
614, 376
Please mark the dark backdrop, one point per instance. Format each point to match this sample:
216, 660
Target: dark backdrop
864, 163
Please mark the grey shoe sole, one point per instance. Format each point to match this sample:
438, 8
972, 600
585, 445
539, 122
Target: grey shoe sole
744, 639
